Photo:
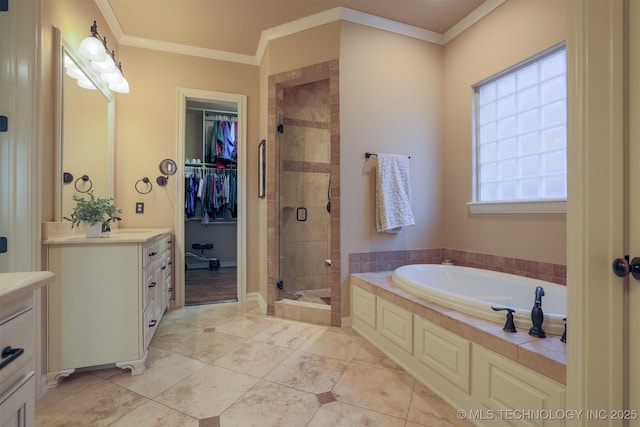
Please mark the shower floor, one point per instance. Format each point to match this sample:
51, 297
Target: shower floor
317, 296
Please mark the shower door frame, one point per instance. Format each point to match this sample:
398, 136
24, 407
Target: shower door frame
323, 71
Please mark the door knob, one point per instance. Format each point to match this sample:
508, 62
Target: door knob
622, 267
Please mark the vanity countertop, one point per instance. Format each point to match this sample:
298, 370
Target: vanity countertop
16, 284
120, 235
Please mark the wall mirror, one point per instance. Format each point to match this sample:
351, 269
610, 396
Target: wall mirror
85, 120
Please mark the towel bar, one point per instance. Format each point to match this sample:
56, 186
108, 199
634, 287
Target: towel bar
368, 154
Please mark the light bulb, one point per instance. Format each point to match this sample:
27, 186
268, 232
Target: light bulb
122, 87
106, 66
115, 77
93, 49
86, 83
68, 62
75, 72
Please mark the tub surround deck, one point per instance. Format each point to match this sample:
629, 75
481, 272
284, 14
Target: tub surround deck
546, 356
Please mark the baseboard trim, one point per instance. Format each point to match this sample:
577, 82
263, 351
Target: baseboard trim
257, 296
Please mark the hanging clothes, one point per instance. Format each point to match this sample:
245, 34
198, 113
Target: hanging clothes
221, 139
192, 183
218, 194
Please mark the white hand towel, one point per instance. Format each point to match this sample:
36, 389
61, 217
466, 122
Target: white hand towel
393, 193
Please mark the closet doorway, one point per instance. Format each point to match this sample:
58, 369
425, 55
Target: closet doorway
210, 222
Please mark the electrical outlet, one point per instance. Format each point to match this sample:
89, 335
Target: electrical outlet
139, 207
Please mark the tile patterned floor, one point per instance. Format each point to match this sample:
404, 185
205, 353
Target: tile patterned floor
228, 365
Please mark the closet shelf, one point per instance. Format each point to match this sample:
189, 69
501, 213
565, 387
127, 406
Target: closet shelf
214, 221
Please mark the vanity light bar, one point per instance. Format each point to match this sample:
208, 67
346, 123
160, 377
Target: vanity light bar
94, 48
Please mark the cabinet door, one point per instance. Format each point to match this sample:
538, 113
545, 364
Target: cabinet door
17, 410
395, 324
503, 385
363, 306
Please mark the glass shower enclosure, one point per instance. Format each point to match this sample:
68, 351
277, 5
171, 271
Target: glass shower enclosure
304, 194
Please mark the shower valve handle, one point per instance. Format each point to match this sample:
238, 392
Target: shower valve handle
622, 267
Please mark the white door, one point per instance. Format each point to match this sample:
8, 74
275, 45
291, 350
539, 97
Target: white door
632, 298
597, 349
19, 146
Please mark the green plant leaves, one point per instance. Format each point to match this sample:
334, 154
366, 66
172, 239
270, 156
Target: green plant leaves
94, 210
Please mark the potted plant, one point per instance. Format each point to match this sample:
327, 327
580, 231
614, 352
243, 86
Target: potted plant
95, 212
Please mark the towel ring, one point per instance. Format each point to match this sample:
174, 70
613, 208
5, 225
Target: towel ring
83, 178
146, 181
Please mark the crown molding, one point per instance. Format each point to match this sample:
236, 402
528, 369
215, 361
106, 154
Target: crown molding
183, 49
483, 10
110, 17
302, 24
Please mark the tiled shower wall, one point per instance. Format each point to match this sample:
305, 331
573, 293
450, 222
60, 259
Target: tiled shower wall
390, 260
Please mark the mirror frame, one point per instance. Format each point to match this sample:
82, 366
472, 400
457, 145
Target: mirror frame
168, 167
64, 47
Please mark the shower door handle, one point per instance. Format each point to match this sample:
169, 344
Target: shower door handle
301, 214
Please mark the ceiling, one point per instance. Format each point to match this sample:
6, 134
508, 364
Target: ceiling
237, 26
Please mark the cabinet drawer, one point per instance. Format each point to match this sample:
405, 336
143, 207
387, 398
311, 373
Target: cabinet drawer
151, 284
150, 252
155, 249
17, 333
150, 323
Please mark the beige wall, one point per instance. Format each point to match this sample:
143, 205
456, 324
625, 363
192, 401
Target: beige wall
147, 134
309, 47
390, 97
513, 32
390, 102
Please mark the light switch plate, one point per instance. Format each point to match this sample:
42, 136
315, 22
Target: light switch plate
139, 207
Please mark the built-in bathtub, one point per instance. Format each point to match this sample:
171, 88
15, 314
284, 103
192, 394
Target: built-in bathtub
474, 291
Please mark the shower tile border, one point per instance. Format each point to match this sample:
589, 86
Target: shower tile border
363, 262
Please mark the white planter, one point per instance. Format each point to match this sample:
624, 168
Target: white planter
93, 230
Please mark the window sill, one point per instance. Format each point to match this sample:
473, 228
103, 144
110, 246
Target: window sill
525, 206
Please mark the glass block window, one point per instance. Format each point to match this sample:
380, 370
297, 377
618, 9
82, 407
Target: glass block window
520, 118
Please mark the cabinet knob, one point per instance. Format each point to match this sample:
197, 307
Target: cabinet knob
153, 253
152, 323
152, 284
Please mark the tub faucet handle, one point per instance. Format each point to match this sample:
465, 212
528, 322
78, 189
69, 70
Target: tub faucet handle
509, 326
537, 316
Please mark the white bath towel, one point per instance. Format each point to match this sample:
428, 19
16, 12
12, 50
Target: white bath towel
393, 193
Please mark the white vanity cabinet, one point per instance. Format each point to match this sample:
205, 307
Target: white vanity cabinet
18, 345
108, 299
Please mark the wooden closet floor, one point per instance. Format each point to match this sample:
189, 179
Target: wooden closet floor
209, 286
